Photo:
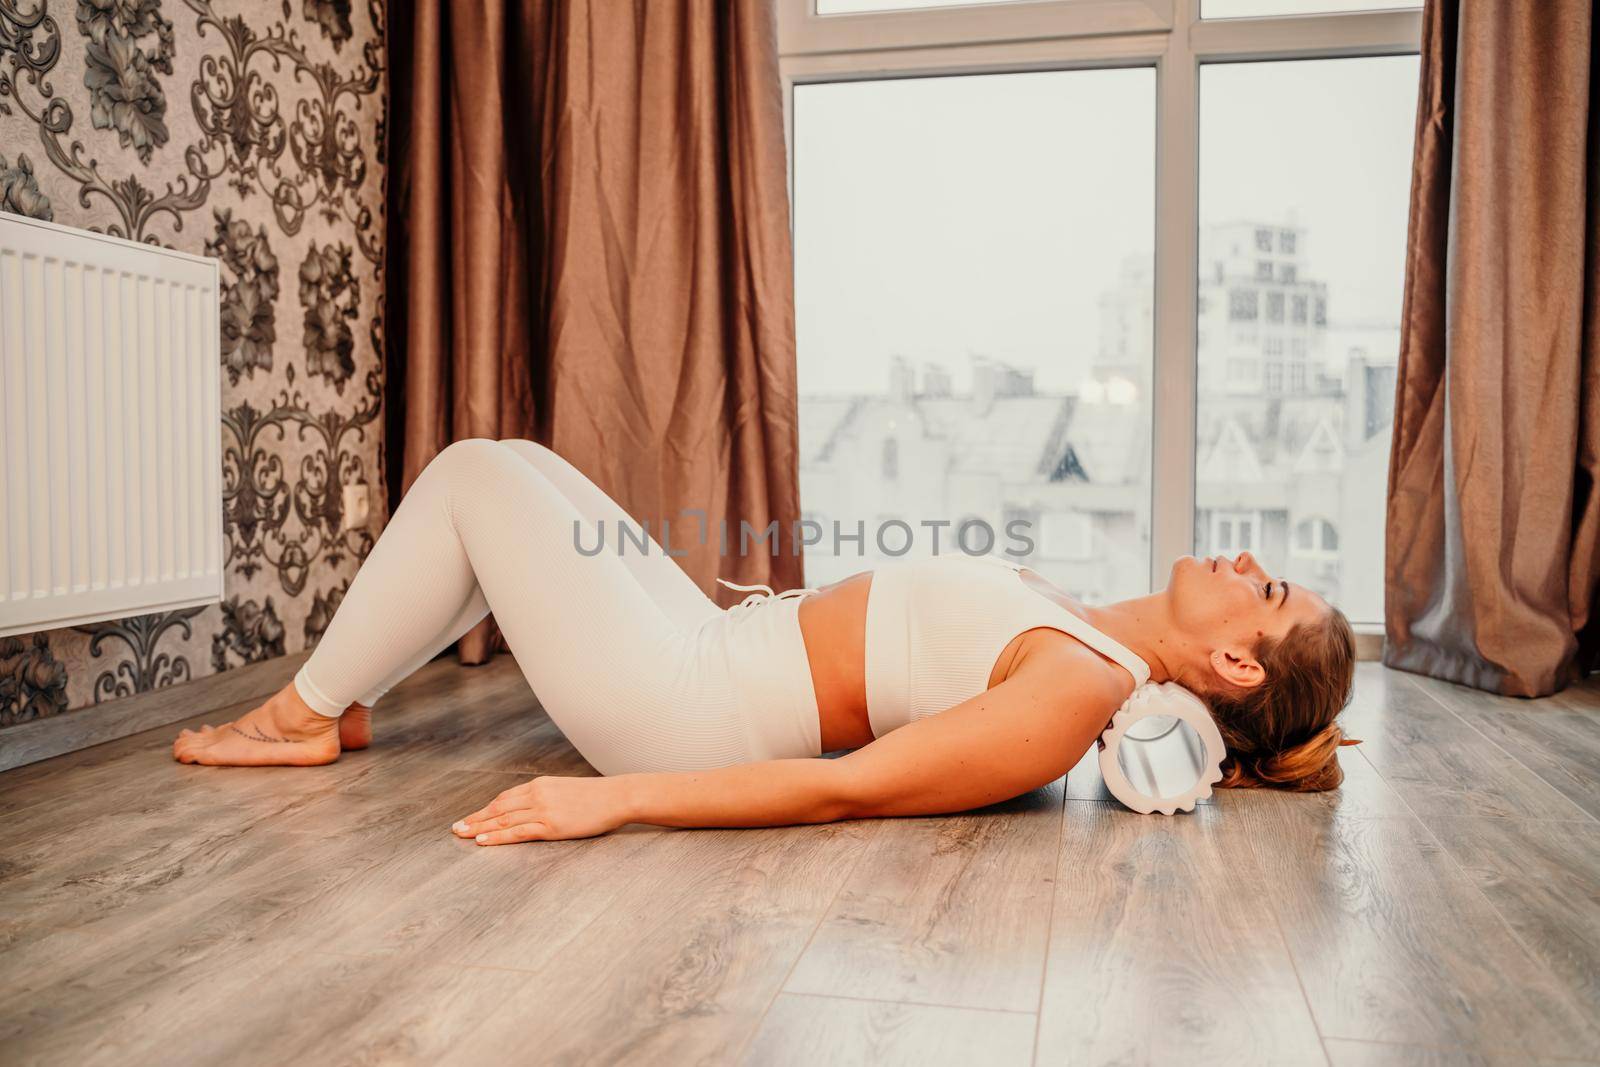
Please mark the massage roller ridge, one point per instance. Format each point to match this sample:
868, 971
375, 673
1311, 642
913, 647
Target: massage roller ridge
1162, 751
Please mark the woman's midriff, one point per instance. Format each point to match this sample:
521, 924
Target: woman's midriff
833, 623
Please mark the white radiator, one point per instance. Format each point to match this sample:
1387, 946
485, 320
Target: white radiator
110, 428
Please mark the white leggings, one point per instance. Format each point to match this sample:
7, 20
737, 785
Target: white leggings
639, 668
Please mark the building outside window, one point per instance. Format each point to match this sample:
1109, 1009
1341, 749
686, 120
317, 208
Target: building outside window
1242, 305
1316, 537
1025, 384
1067, 536
997, 227
1235, 531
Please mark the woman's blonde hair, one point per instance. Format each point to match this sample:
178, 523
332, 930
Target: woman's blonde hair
1281, 734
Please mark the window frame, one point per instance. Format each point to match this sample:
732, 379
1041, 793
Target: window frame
1171, 37
1237, 520
1320, 526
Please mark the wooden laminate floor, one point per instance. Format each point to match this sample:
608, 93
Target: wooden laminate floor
1442, 908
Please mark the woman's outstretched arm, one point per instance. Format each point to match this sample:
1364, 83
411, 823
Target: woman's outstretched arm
1022, 734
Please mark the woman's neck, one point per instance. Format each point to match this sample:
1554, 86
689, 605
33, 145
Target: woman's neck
1145, 627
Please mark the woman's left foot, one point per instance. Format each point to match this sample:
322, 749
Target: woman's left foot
281, 732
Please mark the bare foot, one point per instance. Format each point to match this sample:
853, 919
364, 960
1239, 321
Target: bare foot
355, 728
281, 732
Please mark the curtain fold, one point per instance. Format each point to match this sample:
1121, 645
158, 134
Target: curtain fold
1493, 513
589, 247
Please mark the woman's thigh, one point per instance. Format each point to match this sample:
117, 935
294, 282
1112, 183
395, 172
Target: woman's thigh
679, 717
658, 573
631, 686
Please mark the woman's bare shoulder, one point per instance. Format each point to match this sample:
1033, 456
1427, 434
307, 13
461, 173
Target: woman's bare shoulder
1054, 657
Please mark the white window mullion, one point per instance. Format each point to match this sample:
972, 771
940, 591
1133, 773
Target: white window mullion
1177, 257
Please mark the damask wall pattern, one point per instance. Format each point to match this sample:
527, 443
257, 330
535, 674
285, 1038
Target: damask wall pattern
250, 131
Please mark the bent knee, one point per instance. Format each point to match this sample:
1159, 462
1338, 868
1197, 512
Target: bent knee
467, 451
469, 460
532, 451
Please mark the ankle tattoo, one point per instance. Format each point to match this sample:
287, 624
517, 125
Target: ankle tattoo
255, 734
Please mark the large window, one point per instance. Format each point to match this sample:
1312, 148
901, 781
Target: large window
1334, 179
973, 304
1121, 275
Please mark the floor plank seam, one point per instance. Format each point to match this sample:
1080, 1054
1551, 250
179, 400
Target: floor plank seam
1294, 965
524, 772
1050, 919
386, 956
906, 1003
822, 917
1514, 1050
8, 816
1584, 815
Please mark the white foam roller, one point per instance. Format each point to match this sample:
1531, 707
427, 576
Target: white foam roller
1148, 758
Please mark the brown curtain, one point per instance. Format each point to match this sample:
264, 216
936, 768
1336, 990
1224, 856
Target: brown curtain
589, 247
1493, 511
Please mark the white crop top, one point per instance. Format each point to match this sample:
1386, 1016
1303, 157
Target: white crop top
936, 626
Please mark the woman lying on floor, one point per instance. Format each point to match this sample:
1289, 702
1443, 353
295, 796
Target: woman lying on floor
959, 681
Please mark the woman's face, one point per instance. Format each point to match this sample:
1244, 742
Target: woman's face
1221, 607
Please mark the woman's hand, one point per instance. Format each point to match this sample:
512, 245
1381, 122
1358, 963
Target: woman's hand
548, 808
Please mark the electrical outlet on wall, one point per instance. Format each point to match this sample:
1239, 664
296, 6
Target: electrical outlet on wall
357, 505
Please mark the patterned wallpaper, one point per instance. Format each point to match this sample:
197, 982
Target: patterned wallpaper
251, 131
